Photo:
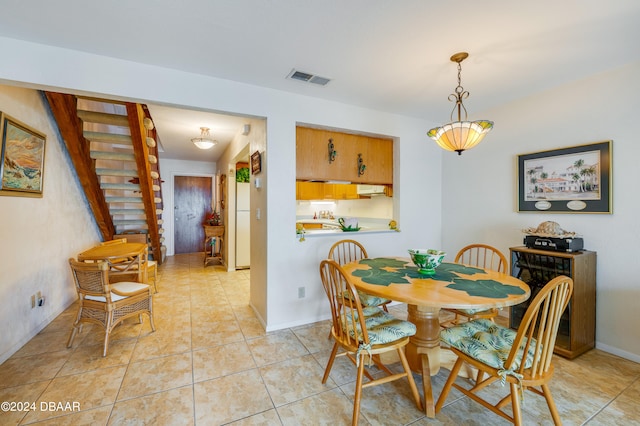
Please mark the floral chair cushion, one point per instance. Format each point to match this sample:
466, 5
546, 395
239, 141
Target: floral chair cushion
382, 327
369, 300
487, 342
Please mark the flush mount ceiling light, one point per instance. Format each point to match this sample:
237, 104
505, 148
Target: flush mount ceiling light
204, 141
460, 135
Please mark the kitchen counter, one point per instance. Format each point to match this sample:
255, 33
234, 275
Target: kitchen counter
320, 227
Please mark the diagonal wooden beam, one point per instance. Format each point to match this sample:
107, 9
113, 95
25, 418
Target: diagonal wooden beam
64, 109
136, 115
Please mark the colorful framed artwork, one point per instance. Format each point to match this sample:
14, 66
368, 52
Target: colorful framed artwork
256, 163
22, 154
568, 180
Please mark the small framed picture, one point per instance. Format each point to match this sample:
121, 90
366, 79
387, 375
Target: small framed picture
256, 163
22, 159
568, 180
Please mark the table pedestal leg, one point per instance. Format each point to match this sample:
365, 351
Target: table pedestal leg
427, 338
423, 350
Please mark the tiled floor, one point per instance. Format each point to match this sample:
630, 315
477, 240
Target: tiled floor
210, 363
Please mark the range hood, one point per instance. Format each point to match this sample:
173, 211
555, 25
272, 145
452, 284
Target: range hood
370, 189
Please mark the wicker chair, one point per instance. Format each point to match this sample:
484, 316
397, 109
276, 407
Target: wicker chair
152, 265
363, 333
522, 358
346, 251
482, 256
104, 303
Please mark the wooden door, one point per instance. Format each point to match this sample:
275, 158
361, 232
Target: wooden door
192, 203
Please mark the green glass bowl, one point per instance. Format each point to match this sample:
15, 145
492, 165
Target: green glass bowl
427, 260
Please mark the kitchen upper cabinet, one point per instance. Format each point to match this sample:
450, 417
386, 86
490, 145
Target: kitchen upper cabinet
312, 157
325, 191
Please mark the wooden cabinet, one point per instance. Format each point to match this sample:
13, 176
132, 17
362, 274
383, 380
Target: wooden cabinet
312, 157
325, 191
576, 334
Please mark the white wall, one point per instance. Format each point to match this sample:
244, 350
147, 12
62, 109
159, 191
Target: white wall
479, 189
38, 235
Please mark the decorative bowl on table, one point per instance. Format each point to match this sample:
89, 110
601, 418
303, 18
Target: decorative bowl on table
427, 260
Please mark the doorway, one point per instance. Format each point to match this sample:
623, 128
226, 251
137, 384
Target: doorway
192, 196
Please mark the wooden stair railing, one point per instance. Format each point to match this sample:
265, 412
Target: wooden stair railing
118, 171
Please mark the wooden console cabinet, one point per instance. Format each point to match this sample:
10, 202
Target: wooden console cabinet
576, 334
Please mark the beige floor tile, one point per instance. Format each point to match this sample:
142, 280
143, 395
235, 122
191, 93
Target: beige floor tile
251, 328
22, 399
156, 375
95, 417
222, 360
315, 337
390, 403
294, 379
275, 347
90, 390
161, 343
87, 358
44, 342
230, 398
327, 408
266, 418
206, 334
342, 371
624, 410
172, 407
30, 369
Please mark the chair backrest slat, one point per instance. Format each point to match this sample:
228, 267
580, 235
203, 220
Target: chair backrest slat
346, 309
539, 326
345, 251
482, 256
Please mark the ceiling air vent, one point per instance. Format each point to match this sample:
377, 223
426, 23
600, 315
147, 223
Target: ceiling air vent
308, 78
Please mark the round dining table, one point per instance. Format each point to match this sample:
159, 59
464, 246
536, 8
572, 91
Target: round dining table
453, 285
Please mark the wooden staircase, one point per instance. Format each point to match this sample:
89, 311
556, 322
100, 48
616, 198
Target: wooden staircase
113, 148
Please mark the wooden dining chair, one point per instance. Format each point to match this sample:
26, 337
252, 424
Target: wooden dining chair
485, 257
363, 333
522, 358
346, 251
104, 303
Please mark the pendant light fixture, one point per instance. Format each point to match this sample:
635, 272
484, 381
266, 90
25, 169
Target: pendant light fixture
204, 141
460, 135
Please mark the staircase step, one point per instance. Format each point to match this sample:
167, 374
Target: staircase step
108, 137
151, 142
103, 118
124, 199
117, 172
121, 222
124, 186
157, 200
156, 188
154, 174
120, 156
126, 211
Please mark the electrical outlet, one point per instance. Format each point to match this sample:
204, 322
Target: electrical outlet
33, 301
301, 291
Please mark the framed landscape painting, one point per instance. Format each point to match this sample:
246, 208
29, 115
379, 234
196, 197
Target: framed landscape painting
567, 180
22, 154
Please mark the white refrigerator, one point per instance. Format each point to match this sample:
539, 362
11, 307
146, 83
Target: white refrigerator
243, 240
